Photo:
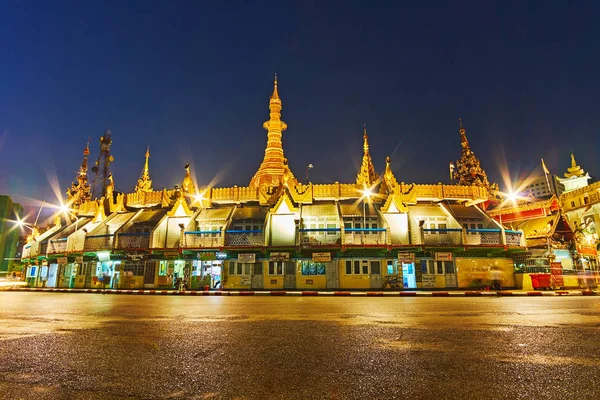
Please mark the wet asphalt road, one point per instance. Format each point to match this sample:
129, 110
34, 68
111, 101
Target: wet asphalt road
93, 346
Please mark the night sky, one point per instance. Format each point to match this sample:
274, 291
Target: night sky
193, 80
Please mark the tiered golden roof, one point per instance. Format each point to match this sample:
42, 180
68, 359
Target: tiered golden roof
467, 171
574, 171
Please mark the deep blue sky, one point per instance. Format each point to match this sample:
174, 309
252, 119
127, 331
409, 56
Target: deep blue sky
193, 79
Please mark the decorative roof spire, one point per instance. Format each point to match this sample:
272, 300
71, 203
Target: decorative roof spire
80, 192
464, 142
144, 183
574, 171
367, 175
272, 168
187, 185
467, 171
275, 95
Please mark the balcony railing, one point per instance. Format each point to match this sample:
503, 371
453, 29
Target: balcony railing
442, 237
319, 237
133, 240
241, 238
99, 242
57, 246
484, 237
203, 239
513, 238
365, 236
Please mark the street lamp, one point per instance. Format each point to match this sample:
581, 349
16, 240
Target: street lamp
309, 166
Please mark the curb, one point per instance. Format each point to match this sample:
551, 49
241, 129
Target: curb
280, 293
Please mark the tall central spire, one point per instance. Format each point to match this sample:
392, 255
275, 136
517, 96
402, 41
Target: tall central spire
367, 175
467, 171
272, 168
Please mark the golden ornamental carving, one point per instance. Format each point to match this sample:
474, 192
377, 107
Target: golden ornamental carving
574, 171
187, 185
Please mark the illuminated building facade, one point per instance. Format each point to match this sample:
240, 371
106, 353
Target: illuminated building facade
277, 232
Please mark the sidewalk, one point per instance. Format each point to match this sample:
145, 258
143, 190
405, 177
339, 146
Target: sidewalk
457, 293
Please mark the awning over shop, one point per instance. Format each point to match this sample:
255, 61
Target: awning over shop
214, 214
319, 210
355, 209
427, 211
250, 213
147, 218
538, 227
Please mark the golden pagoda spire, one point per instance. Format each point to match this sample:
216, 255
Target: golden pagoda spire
367, 175
144, 184
80, 192
467, 171
272, 168
574, 170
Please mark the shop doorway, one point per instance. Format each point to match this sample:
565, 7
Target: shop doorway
409, 277
258, 281
333, 276
289, 278
52, 275
376, 277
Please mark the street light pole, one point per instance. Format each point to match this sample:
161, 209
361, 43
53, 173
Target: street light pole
309, 166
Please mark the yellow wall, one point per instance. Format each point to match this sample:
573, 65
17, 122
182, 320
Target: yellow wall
234, 282
474, 272
352, 281
318, 281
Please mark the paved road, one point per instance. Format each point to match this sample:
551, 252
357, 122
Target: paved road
92, 346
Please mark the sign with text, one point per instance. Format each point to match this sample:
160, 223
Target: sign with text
61, 260
321, 257
587, 250
406, 257
79, 259
428, 281
245, 280
443, 256
279, 257
206, 255
247, 257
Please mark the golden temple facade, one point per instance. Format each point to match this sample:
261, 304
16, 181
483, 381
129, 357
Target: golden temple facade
278, 233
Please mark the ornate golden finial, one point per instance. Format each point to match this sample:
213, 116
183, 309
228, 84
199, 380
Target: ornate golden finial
275, 95
367, 175
389, 180
573, 163
464, 142
144, 183
187, 185
110, 188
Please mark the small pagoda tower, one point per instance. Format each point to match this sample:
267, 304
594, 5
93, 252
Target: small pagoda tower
575, 177
272, 168
80, 190
467, 171
144, 183
367, 175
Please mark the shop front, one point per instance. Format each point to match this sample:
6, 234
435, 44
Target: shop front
437, 272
